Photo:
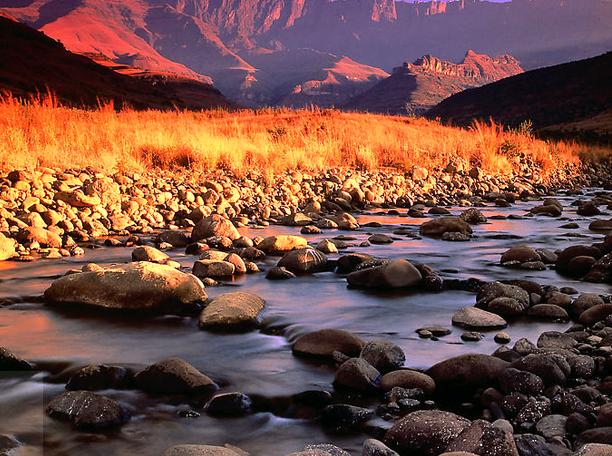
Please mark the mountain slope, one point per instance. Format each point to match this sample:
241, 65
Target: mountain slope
32, 63
576, 94
416, 87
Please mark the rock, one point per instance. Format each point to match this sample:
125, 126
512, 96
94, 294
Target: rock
604, 416
232, 312
535, 445
99, 377
240, 266
7, 248
594, 314
373, 447
484, 439
548, 312
454, 236
550, 210
471, 336
594, 449
408, 379
327, 246
147, 253
519, 254
383, 355
342, 418
426, 432
588, 209
279, 273
439, 226
555, 339
515, 381
323, 343
229, 404
141, 286
508, 307
173, 237
303, 261
502, 338
78, 199
87, 410
585, 301
42, 236
321, 449
200, 450
174, 376
9, 362
436, 331
552, 426
533, 411
466, 372
212, 226
474, 318
280, 244
213, 268
393, 274
596, 435
380, 239
473, 216
552, 369
357, 374
566, 256
493, 290
348, 263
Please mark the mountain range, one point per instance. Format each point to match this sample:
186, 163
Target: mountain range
299, 52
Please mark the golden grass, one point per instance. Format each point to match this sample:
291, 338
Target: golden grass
42, 133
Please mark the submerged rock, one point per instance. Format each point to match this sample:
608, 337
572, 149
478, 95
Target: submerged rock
232, 312
174, 376
87, 410
303, 261
393, 274
439, 226
323, 344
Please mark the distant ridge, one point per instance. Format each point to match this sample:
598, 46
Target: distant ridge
416, 87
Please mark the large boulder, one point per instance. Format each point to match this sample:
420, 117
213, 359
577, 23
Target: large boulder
392, 274
519, 254
323, 344
87, 410
42, 236
467, 372
357, 374
409, 379
303, 261
174, 376
437, 227
484, 439
425, 432
99, 377
214, 225
282, 243
550, 367
232, 312
151, 254
140, 286
383, 355
11, 362
595, 314
213, 269
7, 248
475, 318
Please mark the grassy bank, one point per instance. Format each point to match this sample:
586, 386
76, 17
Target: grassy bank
41, 133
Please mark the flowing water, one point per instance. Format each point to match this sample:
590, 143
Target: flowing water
258, 362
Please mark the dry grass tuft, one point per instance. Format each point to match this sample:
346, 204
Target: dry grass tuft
39, 132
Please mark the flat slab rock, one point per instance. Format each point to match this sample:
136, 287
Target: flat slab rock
232, 311
475, 318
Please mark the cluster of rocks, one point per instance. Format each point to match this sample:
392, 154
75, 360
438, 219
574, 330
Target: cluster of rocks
50, 211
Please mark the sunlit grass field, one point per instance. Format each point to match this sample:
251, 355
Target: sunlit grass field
40, 132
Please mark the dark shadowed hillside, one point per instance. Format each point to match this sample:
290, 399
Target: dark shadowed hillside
575, 96
32, 63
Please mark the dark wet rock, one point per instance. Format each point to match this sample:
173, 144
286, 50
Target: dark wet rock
536, 445
425, 433
555, 339
282, 243
173, 237
502, 338
201, 450
348, 263
596, 435
594, 449
466, 372
408, 379
577, 423
564, 258
141, 286
436, 331
8, 444
455, 236
323, 344
594, 314
373, 447
584, 302
548, 312
279, 273
533, 411
601, 225
550, 210
439, 226
513, 380
581, 265
357, 374
519, 254
474, 318
604, 415
11, 362
232, 311
471, 336
212, 226
393, 274
551, 368
303, 261
343, 417
473, 216
380, 239
493, 290
321, 449
508, 307
99, 377
588, 209
484, 439
552, 426
559, 299
87, 410
383, 355
229, 404
566, 403
524, 347
174, 376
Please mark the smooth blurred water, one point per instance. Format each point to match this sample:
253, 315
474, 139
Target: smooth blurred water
257, 363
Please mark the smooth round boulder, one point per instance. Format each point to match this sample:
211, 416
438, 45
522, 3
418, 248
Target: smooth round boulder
303, 261
475, 318
174, 376
584, 302
515, 381
548, 312
466, 372
519, 254
349, 263
87, 411
282, 243
373, 447
508, 307
383, 355
323, 344
425, 432
552, 369
439, 226
99, 377
490, 291
357, 374
390, 275
235, 311
140, 286
212, 226
229, 404
340, 418
214, 269
594, 314
408, 379
7, 248
148, 253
